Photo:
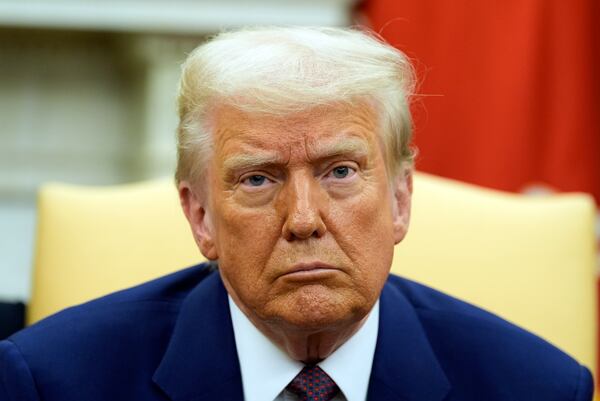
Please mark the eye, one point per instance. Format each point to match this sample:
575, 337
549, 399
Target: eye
341, 172
255, 180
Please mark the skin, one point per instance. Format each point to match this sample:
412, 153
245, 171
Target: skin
303, 217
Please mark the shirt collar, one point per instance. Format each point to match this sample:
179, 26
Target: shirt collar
266, 370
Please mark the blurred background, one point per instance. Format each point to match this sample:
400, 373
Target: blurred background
87, 95
509, 93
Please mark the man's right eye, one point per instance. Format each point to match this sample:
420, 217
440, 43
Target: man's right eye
255, 180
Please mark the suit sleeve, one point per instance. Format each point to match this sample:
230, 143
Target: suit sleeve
16, 381
585, 385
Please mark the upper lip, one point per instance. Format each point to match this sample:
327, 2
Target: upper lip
307, 266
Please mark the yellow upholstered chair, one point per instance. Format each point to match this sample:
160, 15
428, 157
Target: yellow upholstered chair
530, 260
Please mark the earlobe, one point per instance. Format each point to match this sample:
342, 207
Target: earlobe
199, 219
402, 189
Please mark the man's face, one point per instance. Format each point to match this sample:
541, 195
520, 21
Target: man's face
301, 214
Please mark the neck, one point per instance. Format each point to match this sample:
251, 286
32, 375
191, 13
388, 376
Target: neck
308, 346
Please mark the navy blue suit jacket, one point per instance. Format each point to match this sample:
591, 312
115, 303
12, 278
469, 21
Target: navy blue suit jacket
172, 339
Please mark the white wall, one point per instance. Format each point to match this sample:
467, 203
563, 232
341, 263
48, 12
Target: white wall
16, 244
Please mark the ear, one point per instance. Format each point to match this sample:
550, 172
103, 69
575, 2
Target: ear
195, 211
402, 189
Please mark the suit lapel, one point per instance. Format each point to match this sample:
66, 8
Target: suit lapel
201, 361
405, 366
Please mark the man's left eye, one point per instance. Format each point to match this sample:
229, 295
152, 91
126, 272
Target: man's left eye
255, 180
341, 172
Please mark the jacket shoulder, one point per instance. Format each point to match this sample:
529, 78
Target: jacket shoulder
87, 343
479, 350
105, 313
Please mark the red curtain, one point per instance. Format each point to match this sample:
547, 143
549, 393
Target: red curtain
510, 90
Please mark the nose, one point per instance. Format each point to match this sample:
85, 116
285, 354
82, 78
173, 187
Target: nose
303, 204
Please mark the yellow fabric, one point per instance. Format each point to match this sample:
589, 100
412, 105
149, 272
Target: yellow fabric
530, 260
95, 240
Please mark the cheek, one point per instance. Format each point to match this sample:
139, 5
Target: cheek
245, 241
364, 230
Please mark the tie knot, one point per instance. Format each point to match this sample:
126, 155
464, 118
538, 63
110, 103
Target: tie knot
313, 384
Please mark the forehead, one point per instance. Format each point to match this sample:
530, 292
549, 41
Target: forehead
238, 131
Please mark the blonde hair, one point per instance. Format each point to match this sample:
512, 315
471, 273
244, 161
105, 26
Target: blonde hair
282, 70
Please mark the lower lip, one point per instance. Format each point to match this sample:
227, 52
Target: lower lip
310, 275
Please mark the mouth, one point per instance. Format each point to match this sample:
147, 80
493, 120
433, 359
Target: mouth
310, 271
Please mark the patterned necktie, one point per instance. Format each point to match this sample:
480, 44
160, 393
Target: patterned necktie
313, 384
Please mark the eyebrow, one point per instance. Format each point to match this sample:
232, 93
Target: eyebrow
325, 151
340, 148
247, 161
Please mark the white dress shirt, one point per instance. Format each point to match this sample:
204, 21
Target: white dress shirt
267, 370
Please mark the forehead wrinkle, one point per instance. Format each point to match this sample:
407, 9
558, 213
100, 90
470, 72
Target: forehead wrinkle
249, 149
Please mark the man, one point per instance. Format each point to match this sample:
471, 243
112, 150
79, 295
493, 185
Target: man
294, 172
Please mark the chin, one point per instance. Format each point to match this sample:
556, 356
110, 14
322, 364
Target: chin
317, 308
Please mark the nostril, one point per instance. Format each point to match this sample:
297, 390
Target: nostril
295, 229
300, 230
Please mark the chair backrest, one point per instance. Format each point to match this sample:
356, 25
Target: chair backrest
530, 260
